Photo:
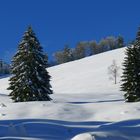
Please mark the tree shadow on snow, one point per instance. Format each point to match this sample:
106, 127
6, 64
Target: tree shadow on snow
119, 100
4, 76
65, 130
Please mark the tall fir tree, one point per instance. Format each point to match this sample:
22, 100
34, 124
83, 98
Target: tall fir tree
131, 72
30, 80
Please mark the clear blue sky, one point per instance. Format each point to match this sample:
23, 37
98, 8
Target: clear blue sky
59, 22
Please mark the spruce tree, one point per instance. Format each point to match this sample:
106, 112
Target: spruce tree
131, 72
30, 80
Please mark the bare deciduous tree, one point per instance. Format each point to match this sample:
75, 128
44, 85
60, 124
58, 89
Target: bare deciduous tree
113, 71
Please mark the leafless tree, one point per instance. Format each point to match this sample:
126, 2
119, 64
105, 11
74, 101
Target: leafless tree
113, 71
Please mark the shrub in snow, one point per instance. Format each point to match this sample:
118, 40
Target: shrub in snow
131, 72
30, 80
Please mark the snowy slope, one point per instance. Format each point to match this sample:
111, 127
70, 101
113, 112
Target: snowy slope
86, 105
87, 75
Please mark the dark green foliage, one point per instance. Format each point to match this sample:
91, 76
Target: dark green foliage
120, 42
30, 80
131, 72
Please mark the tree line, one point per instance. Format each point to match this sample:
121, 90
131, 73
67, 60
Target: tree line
88, 48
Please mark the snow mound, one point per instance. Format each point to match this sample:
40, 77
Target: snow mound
85, 136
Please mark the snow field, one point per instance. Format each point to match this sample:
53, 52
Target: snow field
86, 105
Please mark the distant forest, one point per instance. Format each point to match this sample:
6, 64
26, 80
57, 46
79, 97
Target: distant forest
86, 48
81, 50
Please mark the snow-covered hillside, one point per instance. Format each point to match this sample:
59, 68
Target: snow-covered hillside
86, 105
88, 75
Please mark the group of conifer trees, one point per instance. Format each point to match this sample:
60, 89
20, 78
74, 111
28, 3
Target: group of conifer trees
30, 81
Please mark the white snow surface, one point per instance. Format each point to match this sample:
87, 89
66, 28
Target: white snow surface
86, 105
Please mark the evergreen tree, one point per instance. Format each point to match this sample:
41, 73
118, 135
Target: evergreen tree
131, 72
30, 80
120, 42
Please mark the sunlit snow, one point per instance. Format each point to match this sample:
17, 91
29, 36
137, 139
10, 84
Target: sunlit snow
86, 105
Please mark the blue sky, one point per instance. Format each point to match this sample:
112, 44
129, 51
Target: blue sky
60, 22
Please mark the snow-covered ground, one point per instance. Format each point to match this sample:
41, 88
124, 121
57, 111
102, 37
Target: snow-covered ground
86, 105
